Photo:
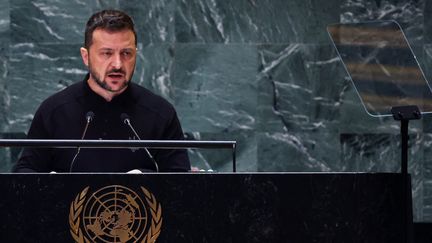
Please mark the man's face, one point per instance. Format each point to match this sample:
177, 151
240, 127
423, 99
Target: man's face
111, 59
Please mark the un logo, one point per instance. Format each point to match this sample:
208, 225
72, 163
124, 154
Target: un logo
115, 214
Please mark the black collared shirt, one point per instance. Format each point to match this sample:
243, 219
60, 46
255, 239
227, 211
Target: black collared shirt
62, 116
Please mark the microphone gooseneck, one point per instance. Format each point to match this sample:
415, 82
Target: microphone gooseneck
126, 120
89, 118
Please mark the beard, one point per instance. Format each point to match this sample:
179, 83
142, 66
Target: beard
103, 84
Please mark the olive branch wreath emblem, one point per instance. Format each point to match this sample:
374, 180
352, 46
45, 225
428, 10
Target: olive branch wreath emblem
77, 205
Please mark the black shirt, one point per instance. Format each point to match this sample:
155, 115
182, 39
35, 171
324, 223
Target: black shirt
62, 116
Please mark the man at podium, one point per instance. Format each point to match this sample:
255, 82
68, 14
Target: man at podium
105, 105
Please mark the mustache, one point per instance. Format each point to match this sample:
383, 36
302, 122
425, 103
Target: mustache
117, 71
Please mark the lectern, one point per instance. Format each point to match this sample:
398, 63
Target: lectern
202, 207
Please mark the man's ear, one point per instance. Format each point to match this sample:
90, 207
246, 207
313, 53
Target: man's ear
84, 55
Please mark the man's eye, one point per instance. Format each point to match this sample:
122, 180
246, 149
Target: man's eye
106, 53
126, 53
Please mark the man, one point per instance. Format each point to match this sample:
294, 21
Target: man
97, 108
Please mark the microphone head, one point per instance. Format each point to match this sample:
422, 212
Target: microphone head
124, 118
89, 116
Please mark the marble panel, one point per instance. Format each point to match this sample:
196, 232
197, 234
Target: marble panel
427, 201
409, 14
215, 87
48, 21
427, 13
4, 56
53, 21
254, 21
4, 93
298, 152
221, 160
97, 5
36, 72
427, 178
301, 88
369, 153
154, 19
416, 160
427, 62
4, 18
64, 22
154, 67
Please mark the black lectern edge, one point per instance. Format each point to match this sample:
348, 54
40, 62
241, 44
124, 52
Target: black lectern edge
203, 173
159, 144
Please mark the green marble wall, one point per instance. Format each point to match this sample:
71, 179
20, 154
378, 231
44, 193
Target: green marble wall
263, 73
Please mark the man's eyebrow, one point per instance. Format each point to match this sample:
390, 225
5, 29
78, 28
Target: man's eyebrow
105, 49
111, 49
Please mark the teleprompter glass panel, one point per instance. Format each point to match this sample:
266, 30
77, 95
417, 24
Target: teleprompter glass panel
382, 66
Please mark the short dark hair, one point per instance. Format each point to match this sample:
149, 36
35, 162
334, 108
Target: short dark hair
110, 20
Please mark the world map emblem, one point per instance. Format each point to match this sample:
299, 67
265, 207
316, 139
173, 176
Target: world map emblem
115, 214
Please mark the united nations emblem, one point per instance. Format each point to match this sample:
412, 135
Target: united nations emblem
115, 214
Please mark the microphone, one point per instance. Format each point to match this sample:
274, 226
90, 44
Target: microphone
89, 118
126, 120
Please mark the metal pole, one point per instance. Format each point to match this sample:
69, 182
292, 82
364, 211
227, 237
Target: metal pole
404, 172
234, 157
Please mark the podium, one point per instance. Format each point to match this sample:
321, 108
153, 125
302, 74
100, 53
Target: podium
202, 207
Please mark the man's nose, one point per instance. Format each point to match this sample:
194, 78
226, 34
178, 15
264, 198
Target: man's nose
117, 61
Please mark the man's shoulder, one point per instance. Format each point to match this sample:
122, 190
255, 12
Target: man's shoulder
149, 100
64, 96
